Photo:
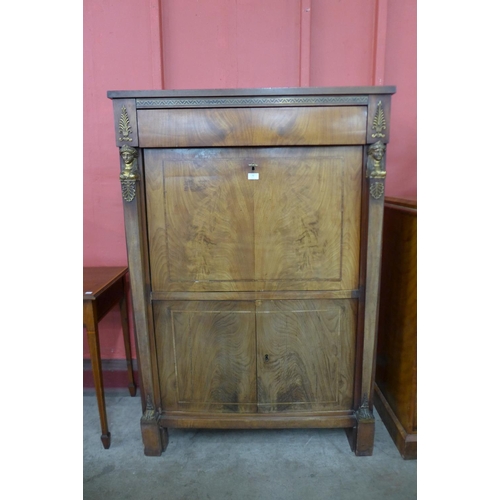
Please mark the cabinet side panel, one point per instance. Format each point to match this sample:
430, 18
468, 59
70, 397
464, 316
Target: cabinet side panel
305, 354
397, 336
207, 361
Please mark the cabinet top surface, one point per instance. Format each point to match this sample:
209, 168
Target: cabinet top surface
283, 91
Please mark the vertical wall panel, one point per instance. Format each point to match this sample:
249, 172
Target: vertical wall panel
231, 43
342, 42
379, 42
305, 43
401, 70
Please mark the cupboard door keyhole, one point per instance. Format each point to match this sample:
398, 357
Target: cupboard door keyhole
266, 358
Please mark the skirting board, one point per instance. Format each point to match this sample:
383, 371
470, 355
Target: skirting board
406, 443
114, 373
111, 365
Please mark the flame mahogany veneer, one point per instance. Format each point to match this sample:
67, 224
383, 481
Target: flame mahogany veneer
254, 221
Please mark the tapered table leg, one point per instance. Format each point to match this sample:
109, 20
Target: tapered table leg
90, 320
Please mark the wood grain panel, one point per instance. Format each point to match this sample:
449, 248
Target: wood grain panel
180, 128
298, 231
295, 228
305, 206
207, 355
305, 354
396, 374
274, 295
157, 223
291, 420
201, 220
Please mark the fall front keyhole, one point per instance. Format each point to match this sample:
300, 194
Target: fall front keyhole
253, 175
266, 358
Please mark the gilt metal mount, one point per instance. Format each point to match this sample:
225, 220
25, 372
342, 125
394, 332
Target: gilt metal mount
364, 412
149, 413
377, 189
379, 122
375, 169
124, 126
129, 173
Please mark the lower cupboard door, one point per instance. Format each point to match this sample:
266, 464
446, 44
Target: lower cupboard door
206, 355
305, 355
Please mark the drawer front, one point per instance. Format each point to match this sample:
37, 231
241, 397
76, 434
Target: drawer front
254, 219
182, 128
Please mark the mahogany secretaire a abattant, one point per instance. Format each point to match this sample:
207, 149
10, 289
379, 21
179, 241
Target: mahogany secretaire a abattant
254, 222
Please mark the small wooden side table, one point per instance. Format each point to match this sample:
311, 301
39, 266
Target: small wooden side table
103, 288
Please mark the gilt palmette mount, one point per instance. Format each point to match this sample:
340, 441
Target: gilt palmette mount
124, 126
379, 123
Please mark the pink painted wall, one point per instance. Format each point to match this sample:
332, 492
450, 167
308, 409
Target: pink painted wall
342, 39
117, 45
154, 44
231, 43
401, 68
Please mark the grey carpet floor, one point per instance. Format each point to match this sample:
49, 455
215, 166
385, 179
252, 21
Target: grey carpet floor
305, 464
